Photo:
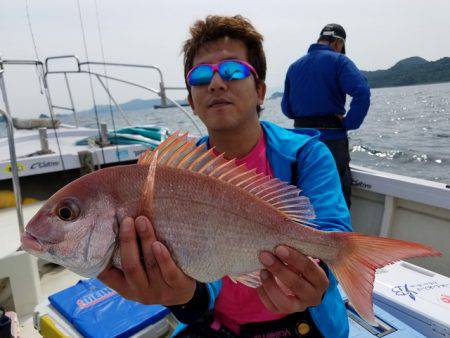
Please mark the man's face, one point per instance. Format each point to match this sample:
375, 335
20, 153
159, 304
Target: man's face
225, 105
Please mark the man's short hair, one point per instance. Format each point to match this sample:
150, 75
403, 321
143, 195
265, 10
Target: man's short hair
215, 27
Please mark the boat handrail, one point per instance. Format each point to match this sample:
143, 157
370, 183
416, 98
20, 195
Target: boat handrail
161, 92
10, 131
162, 86
62, 57
22, 62
12, 153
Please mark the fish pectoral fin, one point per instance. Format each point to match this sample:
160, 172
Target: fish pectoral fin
252, 280
233, 279
147, 192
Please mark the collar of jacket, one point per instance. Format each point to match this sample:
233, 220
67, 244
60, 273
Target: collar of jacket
318, 46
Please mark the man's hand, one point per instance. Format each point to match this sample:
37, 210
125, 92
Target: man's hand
305, 279
156, 279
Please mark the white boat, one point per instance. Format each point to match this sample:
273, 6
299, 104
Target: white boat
382, 203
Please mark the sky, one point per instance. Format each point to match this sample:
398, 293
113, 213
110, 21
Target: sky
379, 33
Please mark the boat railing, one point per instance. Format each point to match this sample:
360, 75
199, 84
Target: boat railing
162, 87
10, 133
85, 68
12, 154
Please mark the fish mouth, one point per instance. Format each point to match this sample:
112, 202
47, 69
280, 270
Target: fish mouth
29, 242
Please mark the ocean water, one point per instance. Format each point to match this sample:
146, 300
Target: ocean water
407, 129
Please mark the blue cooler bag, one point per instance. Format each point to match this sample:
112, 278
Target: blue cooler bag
97, 311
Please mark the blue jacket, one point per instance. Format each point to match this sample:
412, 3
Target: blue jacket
298, 157
317, 84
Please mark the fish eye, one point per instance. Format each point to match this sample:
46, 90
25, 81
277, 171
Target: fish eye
68, 211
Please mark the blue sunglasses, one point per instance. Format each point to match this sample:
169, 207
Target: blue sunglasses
228, 70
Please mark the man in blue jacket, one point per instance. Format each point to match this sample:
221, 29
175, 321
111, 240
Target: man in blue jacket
225, 70
315, 91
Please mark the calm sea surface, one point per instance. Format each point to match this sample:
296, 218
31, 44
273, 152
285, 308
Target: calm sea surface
407, 129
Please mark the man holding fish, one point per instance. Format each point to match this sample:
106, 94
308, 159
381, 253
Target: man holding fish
230, 109
213, 216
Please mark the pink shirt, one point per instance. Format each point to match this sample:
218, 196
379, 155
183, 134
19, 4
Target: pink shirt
238, 304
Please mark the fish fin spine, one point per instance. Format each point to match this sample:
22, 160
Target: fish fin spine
145, 158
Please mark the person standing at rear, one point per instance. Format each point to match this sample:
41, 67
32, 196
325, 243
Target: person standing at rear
315, 92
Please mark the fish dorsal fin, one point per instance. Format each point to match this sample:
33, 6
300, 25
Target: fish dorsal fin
182, 152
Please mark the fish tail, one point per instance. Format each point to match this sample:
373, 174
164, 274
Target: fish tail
358, 259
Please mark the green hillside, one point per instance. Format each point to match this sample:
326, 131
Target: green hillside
411, 71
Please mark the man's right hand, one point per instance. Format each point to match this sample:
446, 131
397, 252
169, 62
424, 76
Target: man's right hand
156, 280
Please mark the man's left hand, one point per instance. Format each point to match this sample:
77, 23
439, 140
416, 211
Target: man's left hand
305, 279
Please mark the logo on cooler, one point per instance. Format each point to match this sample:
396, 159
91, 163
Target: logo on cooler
95, 297
404, 290
411, 290
445, 298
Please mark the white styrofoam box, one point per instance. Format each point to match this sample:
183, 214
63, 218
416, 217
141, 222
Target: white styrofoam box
418, 297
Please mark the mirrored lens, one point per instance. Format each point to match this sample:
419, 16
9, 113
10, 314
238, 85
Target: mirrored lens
201, 75
232, 70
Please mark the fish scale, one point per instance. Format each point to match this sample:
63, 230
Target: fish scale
206, 216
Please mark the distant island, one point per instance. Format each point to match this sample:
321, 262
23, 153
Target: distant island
47, 116
411, 71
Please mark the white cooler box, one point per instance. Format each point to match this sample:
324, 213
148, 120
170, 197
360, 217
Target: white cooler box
416, 296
